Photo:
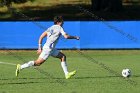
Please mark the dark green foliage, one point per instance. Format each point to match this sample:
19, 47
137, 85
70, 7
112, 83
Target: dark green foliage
107, 5
8, 2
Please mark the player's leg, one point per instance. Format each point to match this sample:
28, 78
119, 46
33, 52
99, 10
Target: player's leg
41, 59
62, 57
37, 62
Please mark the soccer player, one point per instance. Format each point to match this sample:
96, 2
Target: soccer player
52, 33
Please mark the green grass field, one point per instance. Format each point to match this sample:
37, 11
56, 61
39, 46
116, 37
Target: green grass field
90, 78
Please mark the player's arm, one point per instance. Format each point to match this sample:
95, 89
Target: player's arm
68, 36
44, 34
71, 37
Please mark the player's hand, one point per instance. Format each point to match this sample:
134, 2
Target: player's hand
39, 51
78, 38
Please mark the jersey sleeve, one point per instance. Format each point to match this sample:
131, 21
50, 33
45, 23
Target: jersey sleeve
62, 31
47, 31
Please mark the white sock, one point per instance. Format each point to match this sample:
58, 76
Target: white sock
28, 64
64, 67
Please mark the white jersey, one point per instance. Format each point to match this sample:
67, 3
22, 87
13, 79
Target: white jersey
53, 34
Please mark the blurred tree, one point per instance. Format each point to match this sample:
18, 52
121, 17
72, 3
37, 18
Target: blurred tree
8, 2
107, 5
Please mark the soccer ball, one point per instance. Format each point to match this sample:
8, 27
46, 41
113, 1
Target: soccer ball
126, 73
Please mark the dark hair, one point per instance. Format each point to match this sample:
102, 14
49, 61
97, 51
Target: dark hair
58, 19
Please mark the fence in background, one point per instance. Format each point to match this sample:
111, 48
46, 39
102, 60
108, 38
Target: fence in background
94, 35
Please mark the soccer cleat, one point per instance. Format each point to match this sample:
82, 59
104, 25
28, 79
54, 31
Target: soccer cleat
70, 74
17, 70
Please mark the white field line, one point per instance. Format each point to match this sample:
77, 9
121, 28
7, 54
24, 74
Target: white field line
6, 63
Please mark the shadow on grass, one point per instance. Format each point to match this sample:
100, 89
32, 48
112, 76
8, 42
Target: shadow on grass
45, 78
7, 81
104, 77
136, 76
21, 78
70, 13
97, 77
19, 83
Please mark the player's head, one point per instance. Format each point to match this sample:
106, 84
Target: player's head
58, 20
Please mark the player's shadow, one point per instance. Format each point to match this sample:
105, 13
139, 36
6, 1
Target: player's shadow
41, 78
24, 81
7, 81
27, 82
88, 77
104, 77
